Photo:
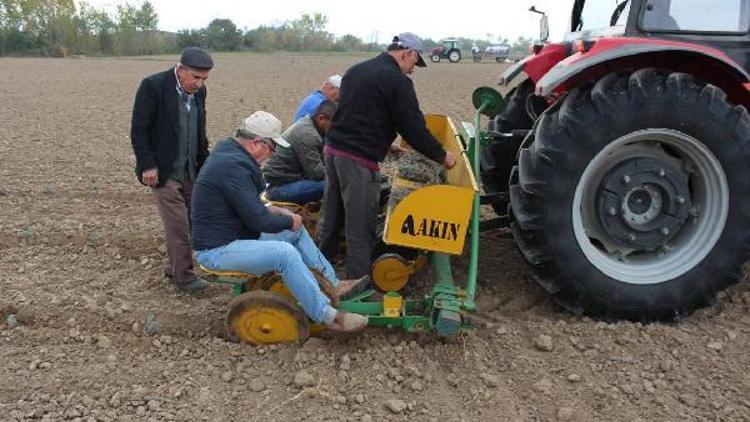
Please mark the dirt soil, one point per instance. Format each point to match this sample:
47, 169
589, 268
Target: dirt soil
81, 253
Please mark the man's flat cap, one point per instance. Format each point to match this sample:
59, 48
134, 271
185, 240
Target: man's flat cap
196, 57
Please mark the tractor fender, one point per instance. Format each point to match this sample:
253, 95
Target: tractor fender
513, 71
536, 65
613, 54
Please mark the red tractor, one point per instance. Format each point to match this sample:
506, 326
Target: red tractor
622, 158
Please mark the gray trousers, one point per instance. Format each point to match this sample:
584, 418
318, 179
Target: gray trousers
173, 202
350, 201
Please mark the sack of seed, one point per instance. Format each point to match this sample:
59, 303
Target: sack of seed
419, 171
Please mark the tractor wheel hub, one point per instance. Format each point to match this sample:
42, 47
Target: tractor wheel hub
643, 202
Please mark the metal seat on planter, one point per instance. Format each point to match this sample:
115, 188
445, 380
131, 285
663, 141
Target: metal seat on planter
240, 281
225, 274
292, 206
310, 211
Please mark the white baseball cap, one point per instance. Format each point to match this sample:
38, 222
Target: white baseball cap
265, 125
412, 42
335, 80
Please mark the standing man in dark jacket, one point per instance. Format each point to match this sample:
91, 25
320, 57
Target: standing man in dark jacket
234, 231
377, 102
168, 133
297, 174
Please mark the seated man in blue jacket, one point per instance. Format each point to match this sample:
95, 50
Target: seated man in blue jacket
234, 231
329, 90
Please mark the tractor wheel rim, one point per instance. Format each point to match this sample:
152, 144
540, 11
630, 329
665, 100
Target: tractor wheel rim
693, 237
266, 325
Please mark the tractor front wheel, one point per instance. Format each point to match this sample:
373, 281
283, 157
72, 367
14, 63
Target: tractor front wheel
634, 201
435, 58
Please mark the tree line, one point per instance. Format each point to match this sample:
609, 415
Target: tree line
59, 28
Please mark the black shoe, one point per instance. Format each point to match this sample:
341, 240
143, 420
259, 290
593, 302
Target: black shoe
194, 285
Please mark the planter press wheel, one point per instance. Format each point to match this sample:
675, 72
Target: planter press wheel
391, 271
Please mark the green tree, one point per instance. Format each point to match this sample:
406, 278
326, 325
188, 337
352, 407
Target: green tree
53, 21
349, 42
58, 27
191, 38
137, 29
127, 19
146, 18
8, 25
85, 40
222, 35
261, 39
104, 27
311, 33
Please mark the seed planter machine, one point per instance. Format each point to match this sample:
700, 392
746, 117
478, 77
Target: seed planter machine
432, 222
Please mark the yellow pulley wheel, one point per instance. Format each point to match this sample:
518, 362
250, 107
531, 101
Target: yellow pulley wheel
390, 272
261, 317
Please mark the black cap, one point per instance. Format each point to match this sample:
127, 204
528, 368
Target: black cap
196, 57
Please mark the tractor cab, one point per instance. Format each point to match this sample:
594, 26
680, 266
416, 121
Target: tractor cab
721, 24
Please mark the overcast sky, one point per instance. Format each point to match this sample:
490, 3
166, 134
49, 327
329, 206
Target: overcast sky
371, 20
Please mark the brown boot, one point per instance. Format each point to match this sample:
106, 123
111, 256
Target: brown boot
348, 288
347, 322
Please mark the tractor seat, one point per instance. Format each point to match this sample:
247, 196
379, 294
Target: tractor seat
268, 201
292, 206
226, 274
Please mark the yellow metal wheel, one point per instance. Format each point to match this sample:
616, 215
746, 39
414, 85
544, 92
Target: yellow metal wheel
262, 317
390, 272
273, 283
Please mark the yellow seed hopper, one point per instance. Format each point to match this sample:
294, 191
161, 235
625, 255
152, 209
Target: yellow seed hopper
435, 218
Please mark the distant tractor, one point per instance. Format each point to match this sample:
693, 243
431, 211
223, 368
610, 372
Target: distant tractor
622, 156
447, 50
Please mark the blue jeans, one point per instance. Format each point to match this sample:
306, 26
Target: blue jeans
289, 253
299, 192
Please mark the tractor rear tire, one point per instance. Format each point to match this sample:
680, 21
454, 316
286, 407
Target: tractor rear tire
497, 158
633, 201
454, 56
